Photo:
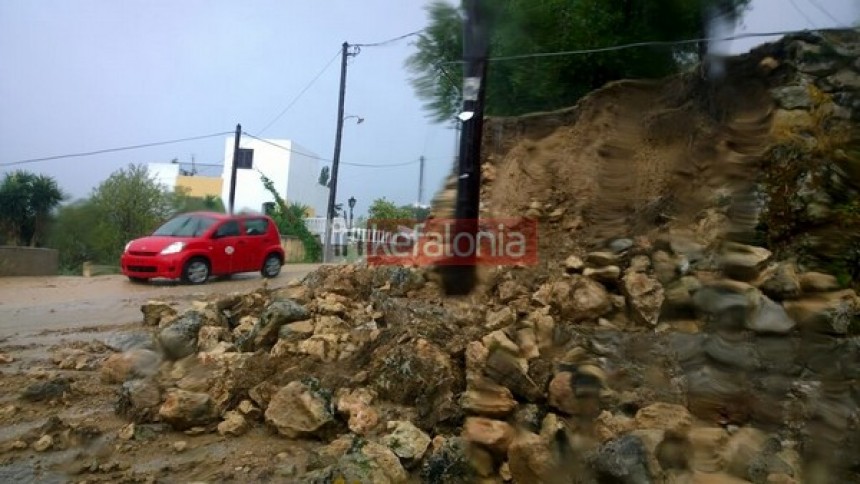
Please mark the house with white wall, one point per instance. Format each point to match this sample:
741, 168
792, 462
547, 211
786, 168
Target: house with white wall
294, 170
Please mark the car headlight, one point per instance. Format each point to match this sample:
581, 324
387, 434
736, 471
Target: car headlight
173, 248
126, 247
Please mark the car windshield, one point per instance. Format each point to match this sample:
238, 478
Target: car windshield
185, 226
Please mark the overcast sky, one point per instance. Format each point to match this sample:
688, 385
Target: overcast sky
84, 75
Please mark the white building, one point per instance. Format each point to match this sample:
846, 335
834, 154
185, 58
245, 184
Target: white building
164, 174
293, 170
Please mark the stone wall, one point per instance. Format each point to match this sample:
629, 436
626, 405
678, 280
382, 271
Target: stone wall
28, 261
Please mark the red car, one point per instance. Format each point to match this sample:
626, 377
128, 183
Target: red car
195, 246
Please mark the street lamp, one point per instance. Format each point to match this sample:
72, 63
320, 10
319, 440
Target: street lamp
332, 191
351, 203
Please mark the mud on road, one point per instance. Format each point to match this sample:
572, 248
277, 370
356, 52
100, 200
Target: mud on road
31, 305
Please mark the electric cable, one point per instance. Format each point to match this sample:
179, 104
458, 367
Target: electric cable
112, 150
823, 10
300, 94
389, 41
802, 13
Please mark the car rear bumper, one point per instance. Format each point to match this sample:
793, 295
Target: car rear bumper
151, 267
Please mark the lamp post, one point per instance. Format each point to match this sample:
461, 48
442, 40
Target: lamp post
351, 203
332, 191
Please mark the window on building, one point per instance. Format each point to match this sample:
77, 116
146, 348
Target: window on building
245, 159
256, 226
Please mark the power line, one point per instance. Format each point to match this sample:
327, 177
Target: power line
802, 13
300, 94
362, 165
638, 44
111, 150
823, 10
389, 41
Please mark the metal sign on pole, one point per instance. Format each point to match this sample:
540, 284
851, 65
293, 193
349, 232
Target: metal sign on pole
460, 279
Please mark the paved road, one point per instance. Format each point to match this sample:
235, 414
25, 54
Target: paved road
33, 304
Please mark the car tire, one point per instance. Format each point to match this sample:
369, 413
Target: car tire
138, 280
195, 271
271, 266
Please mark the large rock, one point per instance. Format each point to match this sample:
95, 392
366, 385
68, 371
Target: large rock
743, 262
416, 373
624, 460
156, 311
812, 282
495, 435
234, 424
138, 400
49, 390
448, 463
406, 440
180, 338
487, 398
644, 297
828, 313
792, 97
727, 304
209, 337
578, 298
707, 443
509, 371
664, 416
362, 462
183, 410
531, 459
276, 315
120, 367
227, 377
356, 405
743, 446
297, 411
769, 318
783, 283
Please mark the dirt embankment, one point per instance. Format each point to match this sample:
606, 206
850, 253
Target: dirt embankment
665, 335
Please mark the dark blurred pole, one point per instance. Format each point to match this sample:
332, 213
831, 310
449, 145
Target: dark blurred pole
233, 168
332, 190
460, 279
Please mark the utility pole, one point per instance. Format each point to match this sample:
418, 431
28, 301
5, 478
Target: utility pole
233, 168
332, 191
421, 181
460, 279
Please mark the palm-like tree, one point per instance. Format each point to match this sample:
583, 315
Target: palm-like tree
26, 203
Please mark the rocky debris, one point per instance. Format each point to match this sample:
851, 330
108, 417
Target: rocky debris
793, 97
47, 390
179, 339
133, 364
827, 313
276, 315
6, 358
783, 283
624, 460
297, 410
487, 398
665, 416
574, 264
74, 359
448, 462
577, 299
530, 459
183, 410
209, 338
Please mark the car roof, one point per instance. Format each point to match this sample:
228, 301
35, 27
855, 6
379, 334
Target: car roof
224, 216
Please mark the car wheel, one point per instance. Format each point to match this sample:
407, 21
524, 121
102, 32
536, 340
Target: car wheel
196, 271
271, 266
138, 280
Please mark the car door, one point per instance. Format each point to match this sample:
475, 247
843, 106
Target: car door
225, 245
253, 243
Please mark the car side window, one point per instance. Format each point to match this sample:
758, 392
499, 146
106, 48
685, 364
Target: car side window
256, 226
229, 229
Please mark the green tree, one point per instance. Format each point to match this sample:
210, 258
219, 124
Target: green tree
131, 204
182, 202
290, 219
385, 215
532, 26
80, 236
325, 174
26, 203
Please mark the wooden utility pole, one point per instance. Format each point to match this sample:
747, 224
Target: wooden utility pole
421, 181
332, 190
459, 279
233, 168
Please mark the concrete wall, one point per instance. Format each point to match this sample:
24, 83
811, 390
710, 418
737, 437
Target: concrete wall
28, 261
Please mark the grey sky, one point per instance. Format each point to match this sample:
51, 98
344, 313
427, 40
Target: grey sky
89, 74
